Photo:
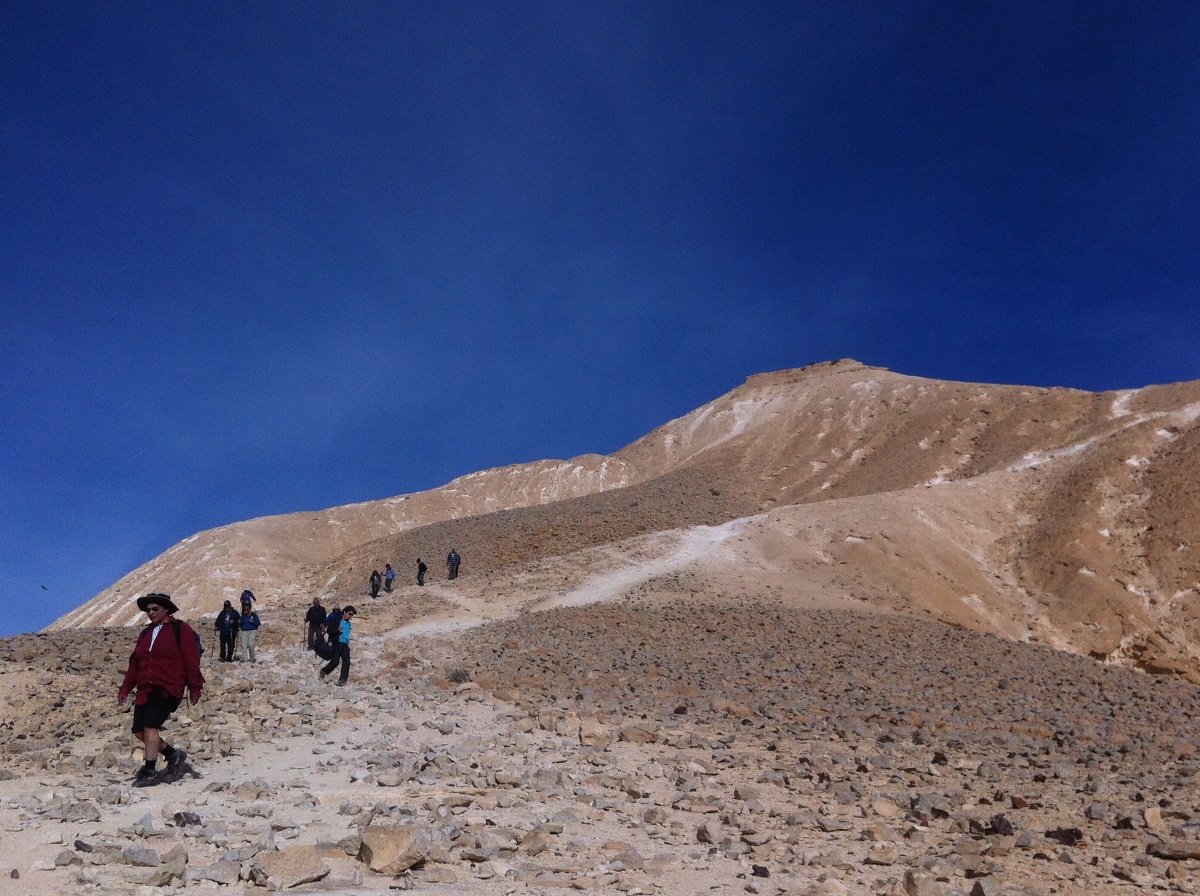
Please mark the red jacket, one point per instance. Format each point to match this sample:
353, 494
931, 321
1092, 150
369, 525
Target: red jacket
172, 666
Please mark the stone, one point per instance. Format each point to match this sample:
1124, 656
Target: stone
391, 849
293, 866
81, 812
882, 854
917, 883
536, 842
222, 872
1097, 811
166, 875
655, 815
986, 886
142, 856
830, 824
1154, 820
886, 809
1175, 850
757, 838
636, 734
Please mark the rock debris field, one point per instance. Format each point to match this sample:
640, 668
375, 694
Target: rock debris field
628, 747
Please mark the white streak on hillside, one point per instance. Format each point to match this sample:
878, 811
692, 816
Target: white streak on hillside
694, 544
1120, 405
1036, 458
697, 543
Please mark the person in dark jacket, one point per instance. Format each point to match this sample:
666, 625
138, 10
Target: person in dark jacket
341, 648
376, 581
164, 664
453, 561
229, 621
315, 618
421, 570
333, 623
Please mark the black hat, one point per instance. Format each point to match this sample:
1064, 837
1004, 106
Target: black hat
163, 600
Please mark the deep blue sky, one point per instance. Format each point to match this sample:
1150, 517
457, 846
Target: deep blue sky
259, 258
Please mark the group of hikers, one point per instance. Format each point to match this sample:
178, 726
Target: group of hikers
165, 663
388, 577
234, 628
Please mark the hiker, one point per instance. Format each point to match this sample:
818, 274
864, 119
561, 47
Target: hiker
164, 664
332, 624
376, 579
248, 598
249, 626
315, 618
452, 562
389, 576
229, 621
342, 649
421, 570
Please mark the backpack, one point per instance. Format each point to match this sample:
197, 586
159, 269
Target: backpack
179, 637
323, 649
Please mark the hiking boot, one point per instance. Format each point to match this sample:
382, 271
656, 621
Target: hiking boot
341, 684
175, 763
146, 777
321, 675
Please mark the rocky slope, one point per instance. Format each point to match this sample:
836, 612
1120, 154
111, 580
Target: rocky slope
624, 746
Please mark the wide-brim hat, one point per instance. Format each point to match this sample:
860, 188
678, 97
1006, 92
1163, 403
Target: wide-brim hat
163, 600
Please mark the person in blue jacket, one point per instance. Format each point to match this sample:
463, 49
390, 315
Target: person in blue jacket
249, 625
341, 649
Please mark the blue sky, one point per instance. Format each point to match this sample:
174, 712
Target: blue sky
260, 258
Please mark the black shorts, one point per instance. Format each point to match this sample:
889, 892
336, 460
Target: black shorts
154, 712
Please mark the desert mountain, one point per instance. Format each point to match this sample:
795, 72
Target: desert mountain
835, 633
1051, 515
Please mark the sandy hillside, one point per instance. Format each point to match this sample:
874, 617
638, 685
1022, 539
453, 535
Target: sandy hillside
1041, 514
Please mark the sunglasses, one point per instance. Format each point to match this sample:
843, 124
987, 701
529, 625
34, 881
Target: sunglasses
154, 609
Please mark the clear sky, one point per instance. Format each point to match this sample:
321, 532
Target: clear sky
267, 257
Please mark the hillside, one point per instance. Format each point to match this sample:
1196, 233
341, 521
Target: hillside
1052, 515
839, 632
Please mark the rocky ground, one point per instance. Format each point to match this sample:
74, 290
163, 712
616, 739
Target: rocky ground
643, 745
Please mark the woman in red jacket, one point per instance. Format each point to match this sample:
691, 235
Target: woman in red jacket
165, 662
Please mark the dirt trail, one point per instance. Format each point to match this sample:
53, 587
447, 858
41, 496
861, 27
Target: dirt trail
688, 546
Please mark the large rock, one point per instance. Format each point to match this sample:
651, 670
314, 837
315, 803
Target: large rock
391, 849
293, 866
1175, 850
223, 872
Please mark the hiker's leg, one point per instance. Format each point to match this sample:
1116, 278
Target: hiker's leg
345, 662
153, 742
331, 665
